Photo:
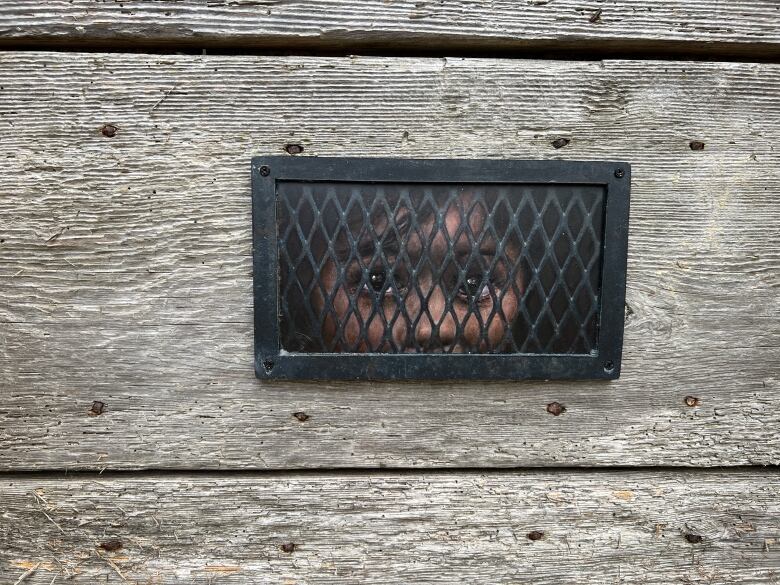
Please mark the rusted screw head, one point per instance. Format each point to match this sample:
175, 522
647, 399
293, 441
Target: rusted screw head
97, 408
693, 538
108, 130
696, 145
294, 149
556, 408
691, 401
111, 545
301, 416
535, 535
288, 547
620, 173
560, 142
265, 170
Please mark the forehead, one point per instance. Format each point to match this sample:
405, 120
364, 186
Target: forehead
458, 221
459, 215
458, 226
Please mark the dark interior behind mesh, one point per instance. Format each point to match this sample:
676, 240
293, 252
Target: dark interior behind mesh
386, 247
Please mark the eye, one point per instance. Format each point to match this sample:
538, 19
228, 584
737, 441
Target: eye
376, 282
474, 288
377, 279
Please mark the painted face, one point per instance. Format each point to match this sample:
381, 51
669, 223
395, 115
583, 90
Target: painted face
401, 302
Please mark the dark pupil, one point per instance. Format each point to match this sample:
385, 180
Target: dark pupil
471, 286
377, 280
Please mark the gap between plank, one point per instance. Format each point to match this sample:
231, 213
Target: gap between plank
559, 51
59, 474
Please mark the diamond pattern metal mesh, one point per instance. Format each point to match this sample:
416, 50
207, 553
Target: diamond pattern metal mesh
439, 268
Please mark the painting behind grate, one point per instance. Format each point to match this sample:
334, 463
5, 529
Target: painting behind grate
439, 267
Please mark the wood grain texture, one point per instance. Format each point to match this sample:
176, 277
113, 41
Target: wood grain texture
613, 527
125, 262
747, 28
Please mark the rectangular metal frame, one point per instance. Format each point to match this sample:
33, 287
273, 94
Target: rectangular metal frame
273, 363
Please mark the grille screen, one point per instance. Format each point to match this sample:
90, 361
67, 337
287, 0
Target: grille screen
382, 267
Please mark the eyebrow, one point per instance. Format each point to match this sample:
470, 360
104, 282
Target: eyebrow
463, 250
390, 244
367, 245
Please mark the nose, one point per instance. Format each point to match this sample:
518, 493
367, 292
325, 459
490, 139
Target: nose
436, 314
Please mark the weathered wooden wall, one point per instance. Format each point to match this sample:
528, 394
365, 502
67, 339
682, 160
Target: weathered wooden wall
126, 307
127, 274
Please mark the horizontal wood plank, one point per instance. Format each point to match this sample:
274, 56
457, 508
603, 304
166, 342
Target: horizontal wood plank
125, 261
540, 527
746, 28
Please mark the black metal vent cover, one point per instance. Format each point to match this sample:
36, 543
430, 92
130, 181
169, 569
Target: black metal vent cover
438, 269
